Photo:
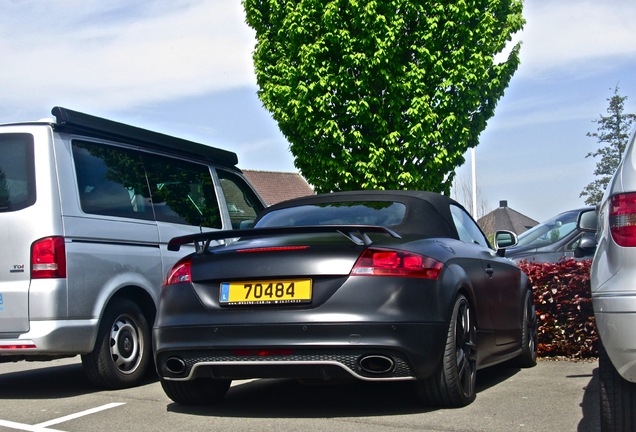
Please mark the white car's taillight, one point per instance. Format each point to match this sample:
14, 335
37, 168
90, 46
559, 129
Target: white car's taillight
622, 219
48, 258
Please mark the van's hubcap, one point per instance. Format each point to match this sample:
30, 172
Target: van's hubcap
125, 344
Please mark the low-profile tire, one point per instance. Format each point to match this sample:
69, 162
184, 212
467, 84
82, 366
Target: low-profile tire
122, 351
529, 337
618, 397
200, 391
453, 383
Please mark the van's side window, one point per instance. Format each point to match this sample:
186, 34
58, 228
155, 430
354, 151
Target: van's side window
17, 172
242, 203
111, 180
182, 192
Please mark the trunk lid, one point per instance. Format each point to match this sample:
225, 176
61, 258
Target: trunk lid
289, 268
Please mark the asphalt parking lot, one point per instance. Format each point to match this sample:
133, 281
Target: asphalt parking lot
55, 396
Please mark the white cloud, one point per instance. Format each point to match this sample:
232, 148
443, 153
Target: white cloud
115, 54
92, 53
577, 36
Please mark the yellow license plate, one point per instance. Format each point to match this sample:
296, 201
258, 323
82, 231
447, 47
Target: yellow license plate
266, 292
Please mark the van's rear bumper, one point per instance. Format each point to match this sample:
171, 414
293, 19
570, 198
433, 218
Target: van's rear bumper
50, 338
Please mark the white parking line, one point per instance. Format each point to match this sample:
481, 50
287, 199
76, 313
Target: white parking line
43, 427
25, 427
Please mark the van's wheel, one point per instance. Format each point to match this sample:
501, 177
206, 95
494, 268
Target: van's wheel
529, 337
200, 391
453, 384
122, 350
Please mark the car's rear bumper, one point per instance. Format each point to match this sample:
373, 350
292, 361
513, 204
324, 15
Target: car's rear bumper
615, 316
613, 287
396, 351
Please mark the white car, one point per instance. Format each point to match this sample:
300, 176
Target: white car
613, 283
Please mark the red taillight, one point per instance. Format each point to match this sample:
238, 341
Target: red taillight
622, 219
18, 347
385, 262
48, 258
180, 272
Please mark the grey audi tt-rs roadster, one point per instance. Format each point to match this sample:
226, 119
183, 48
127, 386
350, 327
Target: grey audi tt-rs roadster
369, 285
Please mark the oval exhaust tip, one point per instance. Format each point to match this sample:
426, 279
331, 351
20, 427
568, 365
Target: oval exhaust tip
376, 364
175, 365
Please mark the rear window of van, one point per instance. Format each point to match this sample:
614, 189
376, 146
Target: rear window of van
17, 172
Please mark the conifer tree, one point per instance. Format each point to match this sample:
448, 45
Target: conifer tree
613, 131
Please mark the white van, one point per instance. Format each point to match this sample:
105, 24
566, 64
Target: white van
87, 207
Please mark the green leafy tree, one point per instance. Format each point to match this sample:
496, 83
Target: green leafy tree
613, 131
382, 94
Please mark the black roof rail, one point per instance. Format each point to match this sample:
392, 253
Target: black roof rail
76, 122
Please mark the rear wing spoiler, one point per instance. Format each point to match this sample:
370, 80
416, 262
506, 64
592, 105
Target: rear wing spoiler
355, 233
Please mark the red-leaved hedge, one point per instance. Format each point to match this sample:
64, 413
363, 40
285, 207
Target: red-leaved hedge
564, 308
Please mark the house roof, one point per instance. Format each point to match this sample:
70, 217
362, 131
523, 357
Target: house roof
505, 218
275, 187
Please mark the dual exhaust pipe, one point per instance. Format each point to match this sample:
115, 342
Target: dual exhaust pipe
373, 364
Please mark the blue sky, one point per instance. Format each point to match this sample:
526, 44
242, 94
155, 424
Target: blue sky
184, 68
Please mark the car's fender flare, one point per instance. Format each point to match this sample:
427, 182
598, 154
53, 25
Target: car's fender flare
456, 276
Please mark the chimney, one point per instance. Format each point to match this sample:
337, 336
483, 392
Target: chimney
503, 203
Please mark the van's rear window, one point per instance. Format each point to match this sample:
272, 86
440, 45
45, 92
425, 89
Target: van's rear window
17, 172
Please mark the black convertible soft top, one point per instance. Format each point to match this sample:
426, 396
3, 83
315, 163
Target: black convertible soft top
427, 213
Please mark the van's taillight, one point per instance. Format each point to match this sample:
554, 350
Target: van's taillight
29, 345
385, 262
622, 219
180, 272
48, 258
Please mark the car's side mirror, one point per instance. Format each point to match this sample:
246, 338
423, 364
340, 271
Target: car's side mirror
504, 239
587, 221
586, 246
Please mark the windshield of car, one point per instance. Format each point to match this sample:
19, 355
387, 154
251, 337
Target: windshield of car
382, 213
549, 231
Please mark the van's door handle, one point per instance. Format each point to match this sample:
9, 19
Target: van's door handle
489, 270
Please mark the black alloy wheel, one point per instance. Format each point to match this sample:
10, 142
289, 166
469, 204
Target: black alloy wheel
453, 384
529, 336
